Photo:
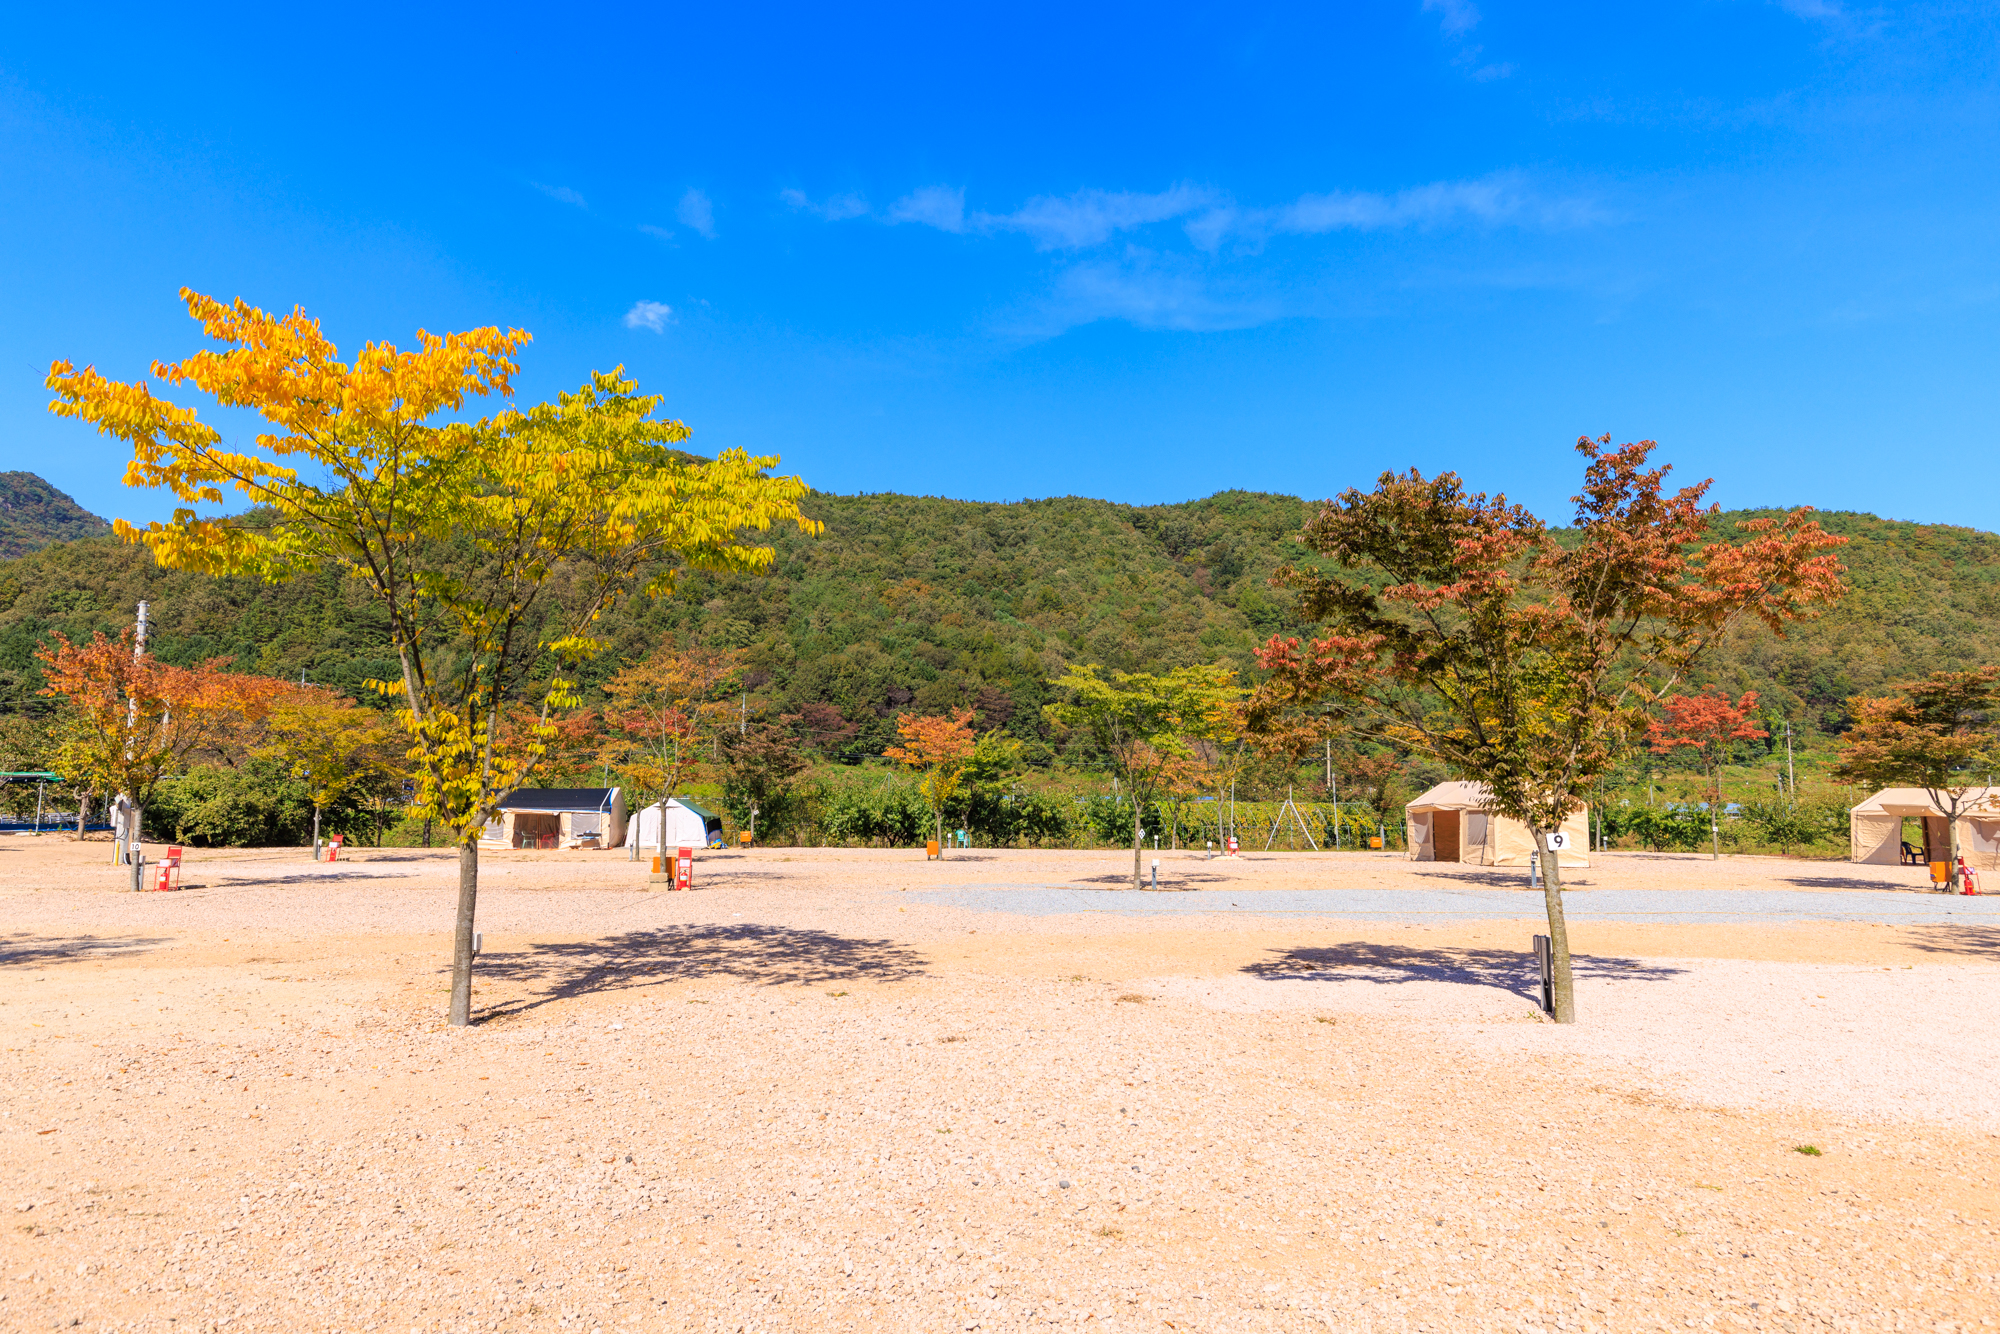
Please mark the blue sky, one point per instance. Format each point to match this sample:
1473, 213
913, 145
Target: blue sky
1138, 252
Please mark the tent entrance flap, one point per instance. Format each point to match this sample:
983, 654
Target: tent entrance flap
1444, 835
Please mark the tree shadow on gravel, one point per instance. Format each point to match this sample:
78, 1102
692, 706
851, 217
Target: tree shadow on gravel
1971, 942
1858, 882
1502, 877
1505, 970
1178, 879
31, 951
764, 955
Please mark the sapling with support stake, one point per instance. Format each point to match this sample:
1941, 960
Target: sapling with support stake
1456, 626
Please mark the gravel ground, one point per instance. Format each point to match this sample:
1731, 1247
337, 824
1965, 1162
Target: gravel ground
805, 1098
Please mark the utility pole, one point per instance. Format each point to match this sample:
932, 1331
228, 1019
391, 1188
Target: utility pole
1333, 790
743, 719
1791, 776
128, 835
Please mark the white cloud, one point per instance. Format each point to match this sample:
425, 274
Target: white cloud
1456, 20
1812, 9
939, 206
1091, 217
1149, 290
562, 194
664, 233
697, 212
649, 315
835, 208
1494, 200
1454, 16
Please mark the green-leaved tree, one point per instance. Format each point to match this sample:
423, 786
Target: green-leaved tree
1145, 725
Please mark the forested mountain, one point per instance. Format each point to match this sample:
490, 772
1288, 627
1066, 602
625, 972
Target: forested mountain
916, 602
34, 514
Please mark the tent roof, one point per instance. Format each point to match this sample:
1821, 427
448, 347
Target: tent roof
1454, 796
558, 799
1459, 795
688, 805
1915, 801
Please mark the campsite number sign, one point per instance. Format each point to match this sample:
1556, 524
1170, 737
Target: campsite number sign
1558, 840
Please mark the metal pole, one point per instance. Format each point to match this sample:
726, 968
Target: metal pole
1333, 790
127, 835
1791, 775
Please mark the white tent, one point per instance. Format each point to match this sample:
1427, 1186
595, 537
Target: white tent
1875, 828
1453, 822
687, 825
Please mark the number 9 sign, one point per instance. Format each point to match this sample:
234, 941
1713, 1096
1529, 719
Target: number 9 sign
1558, 841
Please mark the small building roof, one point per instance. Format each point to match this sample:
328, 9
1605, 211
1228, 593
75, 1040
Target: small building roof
558, 799
700, 812
1980, 803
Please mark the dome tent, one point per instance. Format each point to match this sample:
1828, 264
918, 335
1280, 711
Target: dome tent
687, 825
1454, 822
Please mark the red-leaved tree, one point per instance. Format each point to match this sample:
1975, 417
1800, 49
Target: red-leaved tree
1706, 724
1458, 626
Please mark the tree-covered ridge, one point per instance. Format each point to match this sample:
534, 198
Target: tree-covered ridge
918, 602
34, 514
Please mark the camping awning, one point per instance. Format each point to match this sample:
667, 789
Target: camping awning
556, 800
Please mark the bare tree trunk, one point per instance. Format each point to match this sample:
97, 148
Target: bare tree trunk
1951, 885
461, 945
315, 832
82, 813
1562, 987
1138, 844
1715, 817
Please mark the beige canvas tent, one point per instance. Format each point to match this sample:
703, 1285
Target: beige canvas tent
1451, 823
1876, 832
558, 817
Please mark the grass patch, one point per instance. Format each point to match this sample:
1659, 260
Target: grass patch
1809, 1150
1134, 997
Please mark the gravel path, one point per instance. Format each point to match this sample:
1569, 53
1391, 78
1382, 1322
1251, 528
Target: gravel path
811, 1097
1479, 905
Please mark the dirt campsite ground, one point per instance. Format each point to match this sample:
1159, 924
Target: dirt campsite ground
845, 1089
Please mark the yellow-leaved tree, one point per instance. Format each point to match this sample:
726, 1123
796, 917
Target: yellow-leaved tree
463, 531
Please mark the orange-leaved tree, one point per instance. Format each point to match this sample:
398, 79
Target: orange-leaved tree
941, 746
1937, 734
660, 712
492, 546
1706, 724
1457, 626
128, 720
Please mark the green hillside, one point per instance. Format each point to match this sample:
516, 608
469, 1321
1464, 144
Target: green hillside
34, 514
916, 602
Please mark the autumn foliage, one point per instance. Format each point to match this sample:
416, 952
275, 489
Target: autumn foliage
493, 547
1937, 734
941, 747
128, 720
1706, 724
1459, 626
